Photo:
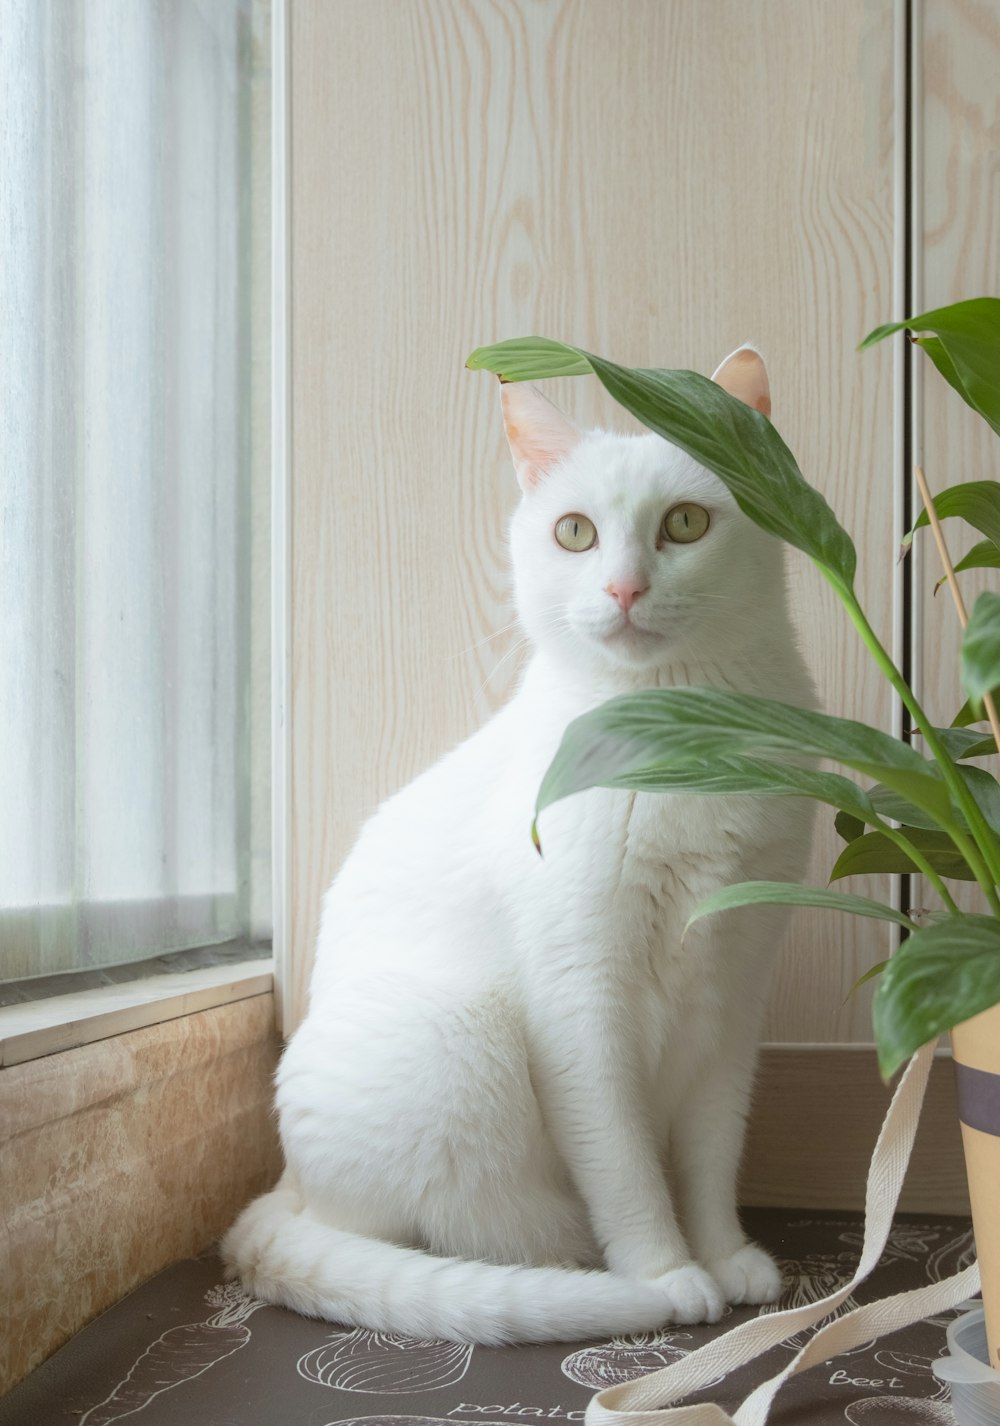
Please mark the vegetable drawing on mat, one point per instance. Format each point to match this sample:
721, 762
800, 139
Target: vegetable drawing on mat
920, 807
384, 1363
179, 1355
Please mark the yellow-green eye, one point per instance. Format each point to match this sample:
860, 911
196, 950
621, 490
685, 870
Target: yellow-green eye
685, 523
576, 533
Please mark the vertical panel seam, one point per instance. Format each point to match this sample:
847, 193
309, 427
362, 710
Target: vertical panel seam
901, 885
911, 567
281, 562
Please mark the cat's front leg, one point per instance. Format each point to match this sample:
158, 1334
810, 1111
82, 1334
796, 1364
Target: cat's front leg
706, 1142
590, 1084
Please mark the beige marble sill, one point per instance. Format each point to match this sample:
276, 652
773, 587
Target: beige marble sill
122, 1156
62, 1022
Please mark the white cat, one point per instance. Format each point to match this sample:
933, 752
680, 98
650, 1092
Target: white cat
513, 1069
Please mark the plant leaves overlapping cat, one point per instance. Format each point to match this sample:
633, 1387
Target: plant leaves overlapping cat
672, 739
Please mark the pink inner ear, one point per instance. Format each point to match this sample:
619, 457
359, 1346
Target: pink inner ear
539, 436
533, 453
744, 376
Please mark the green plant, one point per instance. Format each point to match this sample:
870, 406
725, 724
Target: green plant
927, 811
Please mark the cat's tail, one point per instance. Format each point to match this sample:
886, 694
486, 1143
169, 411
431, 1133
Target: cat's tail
286, 1256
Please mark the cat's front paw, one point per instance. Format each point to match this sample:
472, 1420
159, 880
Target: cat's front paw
749, 1276
690, 1295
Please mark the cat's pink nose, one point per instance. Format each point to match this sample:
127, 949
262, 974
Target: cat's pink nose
626, 591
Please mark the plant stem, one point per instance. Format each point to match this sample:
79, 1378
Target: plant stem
920, 862
981, 851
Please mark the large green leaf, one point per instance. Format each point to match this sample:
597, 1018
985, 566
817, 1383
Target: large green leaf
985, 789
742, 447
941, 975
876, 853
966, 352
849, 827
755, 777
892, 807
939, 355
980, 662
977, 502
531, 359
966, 743
674, 728
784, 893
982, 784
734, 441
970, 712
869, 974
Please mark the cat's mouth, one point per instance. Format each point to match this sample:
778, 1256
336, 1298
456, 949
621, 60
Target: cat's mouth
630, 635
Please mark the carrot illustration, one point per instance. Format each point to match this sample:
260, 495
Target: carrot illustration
179, 1355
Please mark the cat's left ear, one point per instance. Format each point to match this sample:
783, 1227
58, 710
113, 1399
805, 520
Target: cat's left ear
539, 436
744, 375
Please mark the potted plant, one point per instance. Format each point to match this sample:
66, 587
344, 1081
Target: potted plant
926, 808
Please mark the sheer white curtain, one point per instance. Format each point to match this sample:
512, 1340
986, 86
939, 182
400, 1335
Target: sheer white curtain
129, 728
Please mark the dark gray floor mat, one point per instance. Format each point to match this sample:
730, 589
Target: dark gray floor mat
186, 1350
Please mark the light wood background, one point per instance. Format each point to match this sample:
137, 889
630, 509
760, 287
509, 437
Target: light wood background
659, 181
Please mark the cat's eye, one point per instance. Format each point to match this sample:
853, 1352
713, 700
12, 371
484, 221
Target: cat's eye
576, 533
684, 523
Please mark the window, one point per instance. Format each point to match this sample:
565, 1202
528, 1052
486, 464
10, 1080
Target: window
134, 480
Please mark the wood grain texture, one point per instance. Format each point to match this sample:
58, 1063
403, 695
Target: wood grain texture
816, 1115
659, 181
959, 254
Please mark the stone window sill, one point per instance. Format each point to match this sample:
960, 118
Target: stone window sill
45, 1027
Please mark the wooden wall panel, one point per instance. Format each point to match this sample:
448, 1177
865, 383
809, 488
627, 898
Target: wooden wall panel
816, 1114
958, 256
658, 180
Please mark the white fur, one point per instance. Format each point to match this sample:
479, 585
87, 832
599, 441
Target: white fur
515, 1109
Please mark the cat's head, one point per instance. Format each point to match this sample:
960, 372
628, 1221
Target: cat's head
627, 552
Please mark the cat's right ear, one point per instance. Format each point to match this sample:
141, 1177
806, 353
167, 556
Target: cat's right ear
539, 436
744, 375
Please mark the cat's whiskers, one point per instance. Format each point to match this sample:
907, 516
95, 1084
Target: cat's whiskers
556, 617
504, 629
496, 634
514, 649
700, 596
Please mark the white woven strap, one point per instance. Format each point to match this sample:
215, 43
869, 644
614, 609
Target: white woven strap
648, 1400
